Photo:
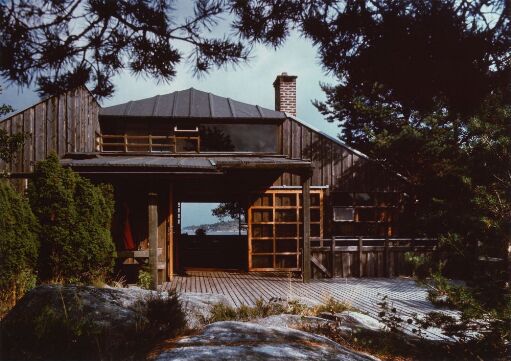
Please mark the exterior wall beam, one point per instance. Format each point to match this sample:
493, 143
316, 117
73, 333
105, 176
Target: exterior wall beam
152, 204
306, 267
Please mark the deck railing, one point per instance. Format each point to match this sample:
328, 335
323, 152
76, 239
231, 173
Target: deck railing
124, 143
366, 256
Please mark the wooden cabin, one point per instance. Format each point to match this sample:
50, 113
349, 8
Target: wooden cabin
305, 192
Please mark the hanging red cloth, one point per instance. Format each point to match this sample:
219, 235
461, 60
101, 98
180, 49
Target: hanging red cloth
129, 244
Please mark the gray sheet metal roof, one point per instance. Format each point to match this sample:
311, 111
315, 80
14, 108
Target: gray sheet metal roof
185, 163
190, 103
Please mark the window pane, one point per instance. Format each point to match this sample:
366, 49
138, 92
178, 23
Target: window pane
315, 230
262, 215
315, 199
265, 200
262, 261
285, 200
285, 215
262, 246
186, 145
285, 261
286, 230
262, 230
315, 215
260, 138
344, 214
286, 245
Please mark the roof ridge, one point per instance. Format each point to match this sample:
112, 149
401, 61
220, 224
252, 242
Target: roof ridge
127, 108
192, 97
231, 107
156, 102
259, 110
210, 101
176, 93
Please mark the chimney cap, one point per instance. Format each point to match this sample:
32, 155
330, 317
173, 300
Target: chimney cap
285, 77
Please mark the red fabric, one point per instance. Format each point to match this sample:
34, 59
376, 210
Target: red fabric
129, 244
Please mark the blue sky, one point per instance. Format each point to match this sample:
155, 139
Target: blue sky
250, 82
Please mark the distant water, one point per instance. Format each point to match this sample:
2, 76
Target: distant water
217, 233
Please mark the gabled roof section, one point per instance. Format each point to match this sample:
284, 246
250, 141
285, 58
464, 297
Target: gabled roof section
190, 103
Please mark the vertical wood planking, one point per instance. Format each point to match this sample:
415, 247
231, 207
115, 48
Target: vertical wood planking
306, 144
296, 131
286, 144
62, 125
51, 125
17, 128
3, 127
71, 122
40, 132
316, 158
28, 147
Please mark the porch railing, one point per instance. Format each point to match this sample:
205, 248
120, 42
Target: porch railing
366, 256
124, 143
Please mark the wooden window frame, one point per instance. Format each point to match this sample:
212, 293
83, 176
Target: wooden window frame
274, 223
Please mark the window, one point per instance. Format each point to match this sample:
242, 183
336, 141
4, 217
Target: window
366, 213
275, 228
344, 214
187, 144
257, 138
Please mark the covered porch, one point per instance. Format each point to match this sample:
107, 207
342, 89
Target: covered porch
150, 190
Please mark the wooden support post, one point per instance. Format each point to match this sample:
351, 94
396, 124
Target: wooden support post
332, 257
170, 233
360, 264
386, 257
152, 205
306, 267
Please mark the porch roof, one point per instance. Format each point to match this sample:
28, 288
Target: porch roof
170, 164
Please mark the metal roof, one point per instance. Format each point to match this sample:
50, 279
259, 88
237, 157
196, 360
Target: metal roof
190, 103
185, 163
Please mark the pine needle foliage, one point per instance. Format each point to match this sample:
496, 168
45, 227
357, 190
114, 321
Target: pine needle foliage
75, 217
19, 245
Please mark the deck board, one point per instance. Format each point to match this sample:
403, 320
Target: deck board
362, 293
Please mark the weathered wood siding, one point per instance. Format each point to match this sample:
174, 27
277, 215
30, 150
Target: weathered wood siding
371, 260
335, 165
61, 124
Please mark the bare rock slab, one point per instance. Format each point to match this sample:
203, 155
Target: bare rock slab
231, 340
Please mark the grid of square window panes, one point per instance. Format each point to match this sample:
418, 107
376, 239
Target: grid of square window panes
366, 213
275, 229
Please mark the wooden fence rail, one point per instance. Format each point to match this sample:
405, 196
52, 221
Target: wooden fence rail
366, 257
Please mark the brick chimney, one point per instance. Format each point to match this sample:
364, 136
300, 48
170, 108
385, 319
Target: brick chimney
285, 93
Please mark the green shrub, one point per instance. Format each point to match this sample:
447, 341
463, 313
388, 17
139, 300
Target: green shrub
261, 309
144, 279
75, 217
331, 305
18, 246
165, 316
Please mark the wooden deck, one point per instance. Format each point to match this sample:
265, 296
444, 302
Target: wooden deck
362, 293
